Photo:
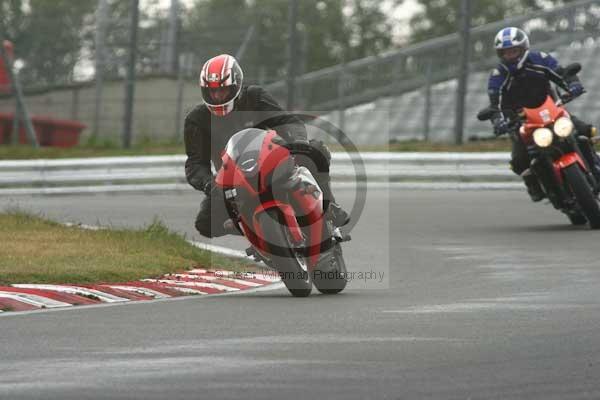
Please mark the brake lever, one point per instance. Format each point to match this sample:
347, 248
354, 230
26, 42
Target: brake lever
567, 98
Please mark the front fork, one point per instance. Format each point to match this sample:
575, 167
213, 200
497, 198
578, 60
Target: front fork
587, 157
587, 150
547, 165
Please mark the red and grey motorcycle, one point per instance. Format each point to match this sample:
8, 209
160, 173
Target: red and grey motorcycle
278, 206
561, 159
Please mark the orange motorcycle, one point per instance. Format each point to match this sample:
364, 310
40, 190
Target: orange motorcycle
557, 160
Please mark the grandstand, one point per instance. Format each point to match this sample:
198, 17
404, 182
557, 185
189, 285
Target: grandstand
384, 97
402, 117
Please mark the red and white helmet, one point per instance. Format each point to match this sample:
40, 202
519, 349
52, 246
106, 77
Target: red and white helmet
221, 82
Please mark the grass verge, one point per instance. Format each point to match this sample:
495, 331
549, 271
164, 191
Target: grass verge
36, 250
500, 144
22, 152
110, 150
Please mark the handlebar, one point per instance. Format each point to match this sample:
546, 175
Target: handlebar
567, 98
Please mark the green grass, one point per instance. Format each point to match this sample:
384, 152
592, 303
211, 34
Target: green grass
37, 250
23, 152
111, 149
501, 144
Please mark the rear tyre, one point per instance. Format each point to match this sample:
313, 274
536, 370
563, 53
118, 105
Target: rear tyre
584, 194
292, 266
333, 277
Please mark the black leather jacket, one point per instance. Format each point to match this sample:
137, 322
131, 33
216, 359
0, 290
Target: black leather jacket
206, 135
528, 86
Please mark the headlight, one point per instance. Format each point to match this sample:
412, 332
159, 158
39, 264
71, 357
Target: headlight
563, 127
543, 137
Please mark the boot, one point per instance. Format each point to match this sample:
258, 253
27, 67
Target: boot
338, 215
335, 212
533, 186
230, 228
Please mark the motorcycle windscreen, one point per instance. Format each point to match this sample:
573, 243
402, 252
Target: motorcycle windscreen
260, 170
244, 147
244, 150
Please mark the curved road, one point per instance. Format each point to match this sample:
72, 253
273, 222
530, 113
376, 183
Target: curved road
485, 296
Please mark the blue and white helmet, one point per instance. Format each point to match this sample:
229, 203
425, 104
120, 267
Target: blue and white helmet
509, 39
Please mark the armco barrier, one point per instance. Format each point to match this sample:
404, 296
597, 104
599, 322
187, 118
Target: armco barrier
110, 174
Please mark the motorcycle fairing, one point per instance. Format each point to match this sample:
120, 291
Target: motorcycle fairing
566, 160
253, 162
288, 214
542, 116
248, 164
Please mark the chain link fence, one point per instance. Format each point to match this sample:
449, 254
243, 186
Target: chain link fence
436, 60
169, 59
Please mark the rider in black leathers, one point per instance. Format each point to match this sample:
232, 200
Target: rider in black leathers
228, 108
522, 79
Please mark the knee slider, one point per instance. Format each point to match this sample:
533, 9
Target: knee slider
203, 226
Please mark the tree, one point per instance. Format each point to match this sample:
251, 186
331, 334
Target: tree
329, 31
440, 17
322, 34
47, 37
212, 27
370, 29
151, 34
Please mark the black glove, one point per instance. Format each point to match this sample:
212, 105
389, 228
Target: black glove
209, 187
501, 126
576, 89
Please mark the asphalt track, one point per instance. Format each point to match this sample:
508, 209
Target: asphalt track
485, 296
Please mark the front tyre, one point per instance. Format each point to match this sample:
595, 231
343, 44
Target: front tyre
291, 265
332, 277
584, 194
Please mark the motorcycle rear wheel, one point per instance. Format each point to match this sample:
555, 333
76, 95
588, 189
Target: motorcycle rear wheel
291, 266
584, 194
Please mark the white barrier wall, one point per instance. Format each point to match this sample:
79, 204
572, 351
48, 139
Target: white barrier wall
114, 174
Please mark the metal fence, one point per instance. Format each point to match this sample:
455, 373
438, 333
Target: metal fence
434, 61
415, 115
161, 102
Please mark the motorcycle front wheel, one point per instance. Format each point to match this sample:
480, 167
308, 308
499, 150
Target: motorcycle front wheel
583, 194
332, 278
291, 265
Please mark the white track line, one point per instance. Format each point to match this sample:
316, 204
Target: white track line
220, 250
213, 278
193, 284
188, 290
141, 290
34, 300
104, 297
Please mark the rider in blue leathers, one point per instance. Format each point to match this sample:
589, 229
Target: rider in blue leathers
522, 79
